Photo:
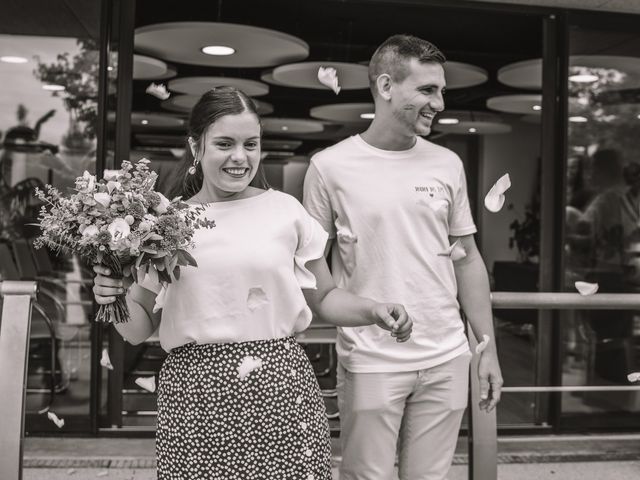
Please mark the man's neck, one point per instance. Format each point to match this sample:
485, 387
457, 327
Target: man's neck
387, 138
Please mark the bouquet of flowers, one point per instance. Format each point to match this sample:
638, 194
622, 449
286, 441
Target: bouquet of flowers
122, 223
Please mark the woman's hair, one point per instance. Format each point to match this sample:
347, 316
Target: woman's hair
213, 105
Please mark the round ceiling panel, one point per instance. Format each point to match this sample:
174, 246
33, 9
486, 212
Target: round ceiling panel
470, 122
351, 76
521, 103
463, 75
290, 126
184, 104
148, 68
247, 46
199, 85
148, 119
344, 112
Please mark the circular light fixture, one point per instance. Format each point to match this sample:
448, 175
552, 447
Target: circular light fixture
518, 103
11, 59
53, 88
578, 119
220, 50
291, 125
184, 104
200, 85
149, 68
284, 128
184, 42
465, 122
351, 76
144, 121
463, 75
537, 108
343, 113
584, 78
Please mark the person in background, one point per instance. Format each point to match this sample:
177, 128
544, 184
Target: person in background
394, 204
237, 397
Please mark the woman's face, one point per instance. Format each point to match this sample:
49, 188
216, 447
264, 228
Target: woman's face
231, 154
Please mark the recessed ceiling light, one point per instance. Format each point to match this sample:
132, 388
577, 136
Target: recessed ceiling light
10, 59
584, 78
639, 115
537, 108
448, 121
578, 119
473, 130
144, 122
53, 88
367, 116
110, 68
285, 128
219, 50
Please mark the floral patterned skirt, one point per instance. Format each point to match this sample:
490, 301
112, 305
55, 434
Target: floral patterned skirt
241, 411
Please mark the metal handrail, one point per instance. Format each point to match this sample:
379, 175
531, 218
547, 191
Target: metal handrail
15, 325
483, 425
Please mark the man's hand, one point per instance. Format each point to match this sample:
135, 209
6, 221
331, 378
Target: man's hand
394, 318
490, 378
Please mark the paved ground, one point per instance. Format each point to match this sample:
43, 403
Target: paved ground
591, 457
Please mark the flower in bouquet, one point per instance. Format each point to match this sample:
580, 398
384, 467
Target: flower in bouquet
120, 221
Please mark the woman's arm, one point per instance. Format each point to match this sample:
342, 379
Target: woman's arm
344, 309
143, 321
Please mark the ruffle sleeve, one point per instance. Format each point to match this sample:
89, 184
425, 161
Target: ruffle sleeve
311, 245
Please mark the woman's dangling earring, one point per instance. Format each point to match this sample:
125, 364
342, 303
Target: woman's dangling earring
192, 168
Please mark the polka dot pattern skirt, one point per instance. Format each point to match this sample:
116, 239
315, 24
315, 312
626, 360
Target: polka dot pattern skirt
241, 411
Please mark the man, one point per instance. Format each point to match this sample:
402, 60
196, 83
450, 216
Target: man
394, 203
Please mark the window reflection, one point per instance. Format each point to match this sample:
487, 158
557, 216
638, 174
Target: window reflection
602, 221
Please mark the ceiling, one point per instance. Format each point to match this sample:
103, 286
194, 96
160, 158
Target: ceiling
335, 31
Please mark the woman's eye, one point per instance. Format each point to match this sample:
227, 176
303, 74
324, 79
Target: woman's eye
251, 145
223, 144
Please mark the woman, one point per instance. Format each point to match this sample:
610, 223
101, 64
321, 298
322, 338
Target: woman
237, 397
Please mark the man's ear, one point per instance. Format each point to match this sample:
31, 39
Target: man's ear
383, 84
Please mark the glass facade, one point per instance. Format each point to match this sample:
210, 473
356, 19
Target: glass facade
56, 123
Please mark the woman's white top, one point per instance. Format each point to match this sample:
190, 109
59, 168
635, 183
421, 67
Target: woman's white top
251, 268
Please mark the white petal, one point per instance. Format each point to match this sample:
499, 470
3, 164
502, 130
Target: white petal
159, 305
105, 361
494, 200
329, 77
257, 298
586, 288
455, 251
148, 383
634, 377
54, 418
483, 344
248, 365
159, 91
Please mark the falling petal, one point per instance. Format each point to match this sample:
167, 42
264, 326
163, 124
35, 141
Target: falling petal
159, 91
248, 365
148, 383
346, 236
329, 77
105, 361
455, 251
54, 418
495, 198
634, 377
160, 299
256, 298
483, 344
586, 288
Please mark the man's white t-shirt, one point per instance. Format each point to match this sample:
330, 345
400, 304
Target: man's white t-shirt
391, 214
251, 268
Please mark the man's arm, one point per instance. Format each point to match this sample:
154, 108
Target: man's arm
474, 295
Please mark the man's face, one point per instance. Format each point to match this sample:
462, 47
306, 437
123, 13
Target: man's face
416, 100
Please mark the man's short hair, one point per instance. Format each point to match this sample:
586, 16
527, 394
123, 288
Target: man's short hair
393, 55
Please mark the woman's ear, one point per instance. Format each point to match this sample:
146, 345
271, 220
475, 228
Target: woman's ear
193, 146
383, 84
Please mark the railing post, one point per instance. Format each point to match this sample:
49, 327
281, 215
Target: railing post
15, 325
483, 446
